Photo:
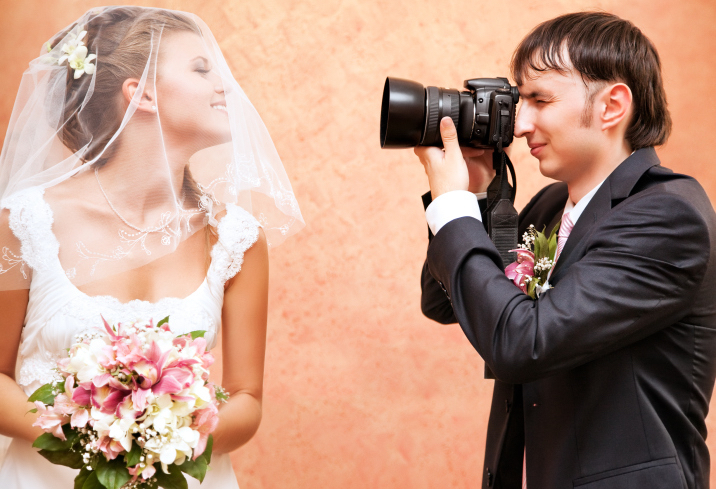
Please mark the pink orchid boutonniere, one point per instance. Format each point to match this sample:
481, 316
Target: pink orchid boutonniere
535, 259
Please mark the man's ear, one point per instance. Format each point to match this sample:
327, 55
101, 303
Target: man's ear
615, 107
147, 101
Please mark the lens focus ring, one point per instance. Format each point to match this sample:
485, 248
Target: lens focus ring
432, 117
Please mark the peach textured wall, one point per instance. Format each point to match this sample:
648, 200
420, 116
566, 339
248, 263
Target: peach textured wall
361, 391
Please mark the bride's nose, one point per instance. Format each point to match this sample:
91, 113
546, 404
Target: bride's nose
221, 88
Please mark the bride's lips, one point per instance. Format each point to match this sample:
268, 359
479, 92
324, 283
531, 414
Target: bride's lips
221, 106
536, 148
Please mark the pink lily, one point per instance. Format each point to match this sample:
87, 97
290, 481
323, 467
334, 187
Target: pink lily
81, 396
167, 385
50, 420
126, 409
109, 330
79, 418
106, 398
110, 447
184, 376
521, 270
145, 472
139, 399
205, 422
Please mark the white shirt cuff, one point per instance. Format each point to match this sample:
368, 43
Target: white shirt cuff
450, 206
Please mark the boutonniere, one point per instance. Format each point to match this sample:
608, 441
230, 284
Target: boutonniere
535, 258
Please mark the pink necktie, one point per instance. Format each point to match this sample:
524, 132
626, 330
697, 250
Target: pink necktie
564, 229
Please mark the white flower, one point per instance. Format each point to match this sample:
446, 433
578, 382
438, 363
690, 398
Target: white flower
121, 431
75, 53
80, 62
542, 288
202, 394
71, 46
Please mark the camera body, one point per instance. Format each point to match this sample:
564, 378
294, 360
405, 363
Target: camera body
484, 115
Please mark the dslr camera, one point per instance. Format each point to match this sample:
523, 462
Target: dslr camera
484, 115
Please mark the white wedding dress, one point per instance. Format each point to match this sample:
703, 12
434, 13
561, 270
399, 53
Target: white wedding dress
57, 311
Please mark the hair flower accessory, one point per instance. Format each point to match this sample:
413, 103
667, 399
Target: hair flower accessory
80, 62
75, 52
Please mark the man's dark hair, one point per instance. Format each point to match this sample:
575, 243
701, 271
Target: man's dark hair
602, 48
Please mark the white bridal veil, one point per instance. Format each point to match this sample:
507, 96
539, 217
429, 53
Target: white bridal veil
134, 130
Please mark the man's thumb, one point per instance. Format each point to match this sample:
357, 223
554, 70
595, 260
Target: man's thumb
449, 134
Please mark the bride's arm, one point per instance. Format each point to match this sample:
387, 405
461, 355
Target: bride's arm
243, 346
15, 421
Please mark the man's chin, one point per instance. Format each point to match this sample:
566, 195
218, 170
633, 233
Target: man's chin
547, 169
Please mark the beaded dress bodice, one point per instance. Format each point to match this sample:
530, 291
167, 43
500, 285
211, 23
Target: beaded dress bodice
57, 310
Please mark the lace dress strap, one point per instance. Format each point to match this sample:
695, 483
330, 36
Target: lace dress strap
30, 220
238, 231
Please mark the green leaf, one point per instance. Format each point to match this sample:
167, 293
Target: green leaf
554, 231
92, 482
49, 442
531, 289
197, 334
71, 435
112, 473
173, 480
195, 468
552, 247
163, 321
543, 245
82, 478
44, 394
65, 457
207, 451
32, 410
132, 457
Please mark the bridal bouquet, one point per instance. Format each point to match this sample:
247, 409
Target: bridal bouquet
535, 258
134, 408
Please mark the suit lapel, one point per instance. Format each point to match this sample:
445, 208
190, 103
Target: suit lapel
616, 187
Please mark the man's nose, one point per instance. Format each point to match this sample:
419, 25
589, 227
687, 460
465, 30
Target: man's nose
523, 123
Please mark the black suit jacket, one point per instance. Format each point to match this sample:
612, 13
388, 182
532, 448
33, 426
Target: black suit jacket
607, 377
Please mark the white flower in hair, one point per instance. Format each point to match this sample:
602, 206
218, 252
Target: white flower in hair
80, 62
75, 53
71, 46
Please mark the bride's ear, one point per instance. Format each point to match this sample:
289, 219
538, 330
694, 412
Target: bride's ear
147, 101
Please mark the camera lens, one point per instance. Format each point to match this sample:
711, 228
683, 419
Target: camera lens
441, 102
402, 113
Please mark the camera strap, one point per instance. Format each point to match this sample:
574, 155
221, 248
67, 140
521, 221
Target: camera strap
500, 215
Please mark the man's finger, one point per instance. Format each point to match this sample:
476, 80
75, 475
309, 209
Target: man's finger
468, 152
449, 135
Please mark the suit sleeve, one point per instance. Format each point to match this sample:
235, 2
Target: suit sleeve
434, 303
639, 273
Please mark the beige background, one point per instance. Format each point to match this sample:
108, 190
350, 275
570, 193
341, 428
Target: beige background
361, 391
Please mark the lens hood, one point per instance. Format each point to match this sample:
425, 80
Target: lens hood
402, 113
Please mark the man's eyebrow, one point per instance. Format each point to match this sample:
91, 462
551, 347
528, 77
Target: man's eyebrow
534, 94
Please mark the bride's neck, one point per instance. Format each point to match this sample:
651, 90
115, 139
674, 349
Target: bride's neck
144, 177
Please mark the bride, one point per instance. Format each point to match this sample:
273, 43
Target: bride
136, 181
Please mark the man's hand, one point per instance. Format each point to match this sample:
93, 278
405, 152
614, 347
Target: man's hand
479, 167
447, 169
